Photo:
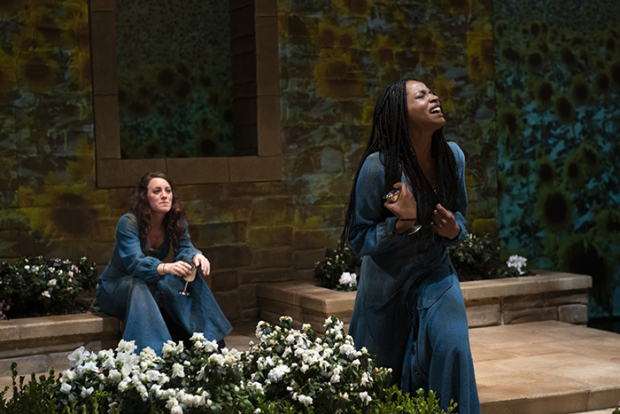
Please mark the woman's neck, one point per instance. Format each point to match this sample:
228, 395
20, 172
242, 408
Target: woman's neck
157, 220
422, 144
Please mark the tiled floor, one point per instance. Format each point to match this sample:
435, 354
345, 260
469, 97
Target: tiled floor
534, 368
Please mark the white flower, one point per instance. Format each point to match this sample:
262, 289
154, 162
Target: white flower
46, 294
65, 387
197, 336
518, 262
347, 349
78, 356
366, 379
126, 346
86, 392
278, 372
70, 273
90, 366
366, 399
177, 370
69, 374
306, 327
304, 399
124, 384
348, 279
52, 282
217, 359
115, 376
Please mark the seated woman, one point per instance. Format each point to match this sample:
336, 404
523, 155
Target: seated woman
136, 282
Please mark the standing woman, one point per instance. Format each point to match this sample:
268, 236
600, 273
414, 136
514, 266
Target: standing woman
136, 282
409, 309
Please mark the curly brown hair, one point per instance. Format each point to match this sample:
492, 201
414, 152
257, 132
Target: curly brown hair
139, 206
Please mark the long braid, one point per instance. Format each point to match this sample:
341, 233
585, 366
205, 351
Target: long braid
390, 135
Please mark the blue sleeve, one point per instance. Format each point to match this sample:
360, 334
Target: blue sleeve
130, 251
373, 228
185, 251
461, 199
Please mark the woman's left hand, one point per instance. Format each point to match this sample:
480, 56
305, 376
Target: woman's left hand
444, 223
202, 262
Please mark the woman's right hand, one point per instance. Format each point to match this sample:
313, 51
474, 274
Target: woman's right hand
406, 207
179, 268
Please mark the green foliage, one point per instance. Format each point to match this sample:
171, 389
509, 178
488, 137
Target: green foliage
287, 372
477, 257
37, 285
35, 397
329, 270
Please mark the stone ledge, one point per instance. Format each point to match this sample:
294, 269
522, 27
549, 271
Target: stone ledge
546, 296
23, 336
544, 281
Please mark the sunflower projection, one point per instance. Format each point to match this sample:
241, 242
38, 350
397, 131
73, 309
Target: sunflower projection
174, 78
558, 117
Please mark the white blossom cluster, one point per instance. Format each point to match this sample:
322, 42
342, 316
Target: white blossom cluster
313, 369
517, 262
348, 279
122, 371
287, 365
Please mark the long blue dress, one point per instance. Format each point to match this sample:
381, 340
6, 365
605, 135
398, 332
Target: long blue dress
409, 310
130, 287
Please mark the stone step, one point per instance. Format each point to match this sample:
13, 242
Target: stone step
546, 368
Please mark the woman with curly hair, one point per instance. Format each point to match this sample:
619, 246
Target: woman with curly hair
407, 206
140, 289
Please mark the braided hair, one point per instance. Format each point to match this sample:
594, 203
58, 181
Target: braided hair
390, 136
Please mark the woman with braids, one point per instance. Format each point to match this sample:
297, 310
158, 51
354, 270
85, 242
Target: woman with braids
409, 309
137, 283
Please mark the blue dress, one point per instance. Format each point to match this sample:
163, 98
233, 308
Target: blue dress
130, 287
409, 310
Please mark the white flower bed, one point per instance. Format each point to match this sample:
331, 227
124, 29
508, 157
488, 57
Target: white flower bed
288, 371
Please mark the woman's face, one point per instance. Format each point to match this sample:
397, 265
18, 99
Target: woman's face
159, 194
423, 107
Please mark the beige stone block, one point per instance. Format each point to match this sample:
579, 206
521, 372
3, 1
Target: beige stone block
8, 331
272, 211
312, 239
283, 292
544, 281
305, 275
62, 325
110, 323
244, 169
268, 126
107, 127
306, 259
283, 309
577, 314
603, 398
567, 297
523, 302
270, 317
530, 315
488, 314
187, 171
60, 360
328, 301
126, 173
103, 52
25, 365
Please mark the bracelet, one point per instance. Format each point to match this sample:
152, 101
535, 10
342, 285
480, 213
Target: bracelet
164, 268
414, 229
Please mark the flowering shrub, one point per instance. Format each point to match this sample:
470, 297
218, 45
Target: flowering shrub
287, 372
337, 270
477, 257
301, 370
36, 285
3, 308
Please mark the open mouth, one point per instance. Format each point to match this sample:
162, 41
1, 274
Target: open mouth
436, 110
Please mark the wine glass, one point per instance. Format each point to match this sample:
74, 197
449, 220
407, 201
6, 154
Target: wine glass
188, 278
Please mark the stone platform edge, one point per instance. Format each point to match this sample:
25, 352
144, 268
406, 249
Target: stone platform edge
548, 295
